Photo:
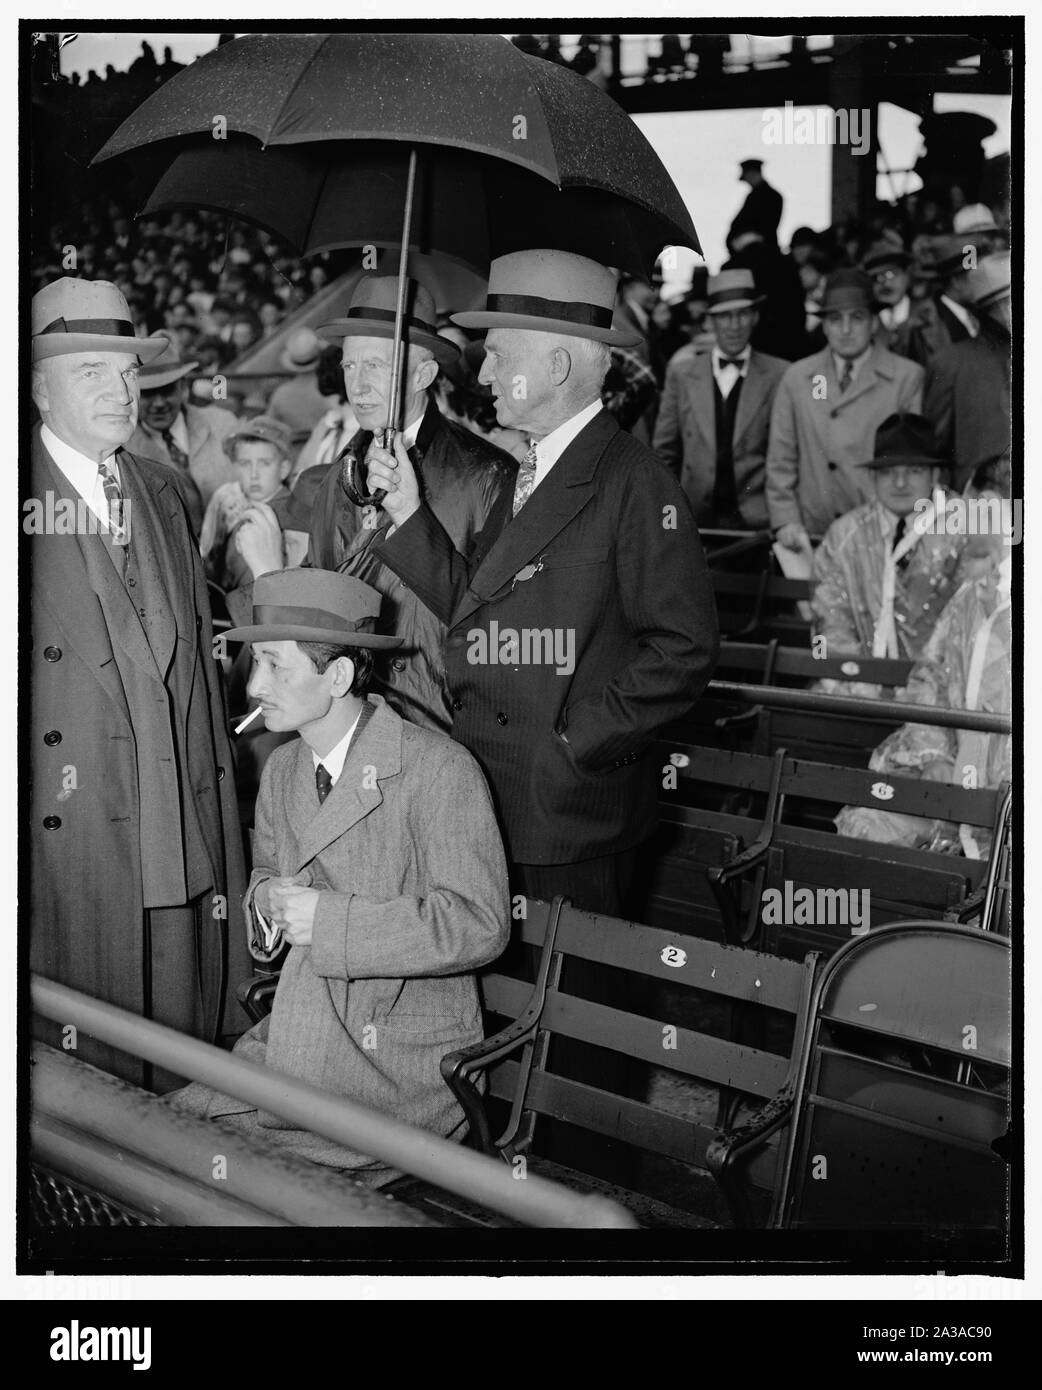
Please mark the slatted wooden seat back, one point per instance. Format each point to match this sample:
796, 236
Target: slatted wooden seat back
517, 1061
761, 605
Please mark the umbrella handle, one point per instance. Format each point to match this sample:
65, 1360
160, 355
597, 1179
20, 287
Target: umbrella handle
350, 463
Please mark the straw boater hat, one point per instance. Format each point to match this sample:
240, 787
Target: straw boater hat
975, 217
906, 439
731, 289
264, 427
307, 605
551, 292
167, 368
302, 351
74, 315
370, 314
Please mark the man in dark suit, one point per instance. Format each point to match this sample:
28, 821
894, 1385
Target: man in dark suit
761, 212
715, 415
462, 477
967, 395
134, 839
583, 620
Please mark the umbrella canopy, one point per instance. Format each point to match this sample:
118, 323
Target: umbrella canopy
515, 151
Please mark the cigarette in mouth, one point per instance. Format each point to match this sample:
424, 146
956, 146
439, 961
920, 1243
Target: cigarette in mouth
247, 721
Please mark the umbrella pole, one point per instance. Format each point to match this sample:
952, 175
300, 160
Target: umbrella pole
398, 345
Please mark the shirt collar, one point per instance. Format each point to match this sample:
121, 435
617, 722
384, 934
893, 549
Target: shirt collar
963, 314
336, 757
550, 448
82, 472
411, 432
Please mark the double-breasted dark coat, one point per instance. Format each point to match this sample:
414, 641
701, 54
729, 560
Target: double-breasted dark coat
588, 614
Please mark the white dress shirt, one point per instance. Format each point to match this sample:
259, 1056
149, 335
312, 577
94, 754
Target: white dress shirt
727, 376
550, 448
335, 758
81, 472
893, 315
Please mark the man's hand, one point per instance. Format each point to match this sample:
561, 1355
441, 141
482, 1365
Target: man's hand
293, 909
259, 540
397, 478
793, 536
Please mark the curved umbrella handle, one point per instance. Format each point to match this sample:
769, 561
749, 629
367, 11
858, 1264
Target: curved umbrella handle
351, 466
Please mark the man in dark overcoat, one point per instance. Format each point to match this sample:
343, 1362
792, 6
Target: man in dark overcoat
134, 840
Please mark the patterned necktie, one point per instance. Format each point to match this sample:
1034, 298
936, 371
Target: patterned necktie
848, 375
178, 457
323, 782
114, 497
525, 478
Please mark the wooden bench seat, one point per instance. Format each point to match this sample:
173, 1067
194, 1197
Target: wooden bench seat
517, 1064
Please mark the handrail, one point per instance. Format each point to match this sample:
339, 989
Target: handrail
534, 1201
888, 711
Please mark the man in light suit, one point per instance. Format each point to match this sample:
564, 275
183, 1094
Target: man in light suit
583, 619
376, 856
133, 836
826, 412
188, 437
715, 413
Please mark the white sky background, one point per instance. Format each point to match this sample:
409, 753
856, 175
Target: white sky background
701, 149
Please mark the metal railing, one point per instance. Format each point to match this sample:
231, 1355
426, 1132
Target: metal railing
886, 711
534, 1201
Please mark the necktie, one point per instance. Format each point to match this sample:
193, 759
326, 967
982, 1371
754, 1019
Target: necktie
114, 497
178, 457
525, 478
899, 531
847, 377
323, 782
732, 362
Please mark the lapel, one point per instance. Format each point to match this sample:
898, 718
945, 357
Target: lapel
703, 394
375, 754
754, 389
156, 502
60, 573
560, 497
873, 371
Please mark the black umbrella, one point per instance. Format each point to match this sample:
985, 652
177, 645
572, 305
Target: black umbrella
315, 136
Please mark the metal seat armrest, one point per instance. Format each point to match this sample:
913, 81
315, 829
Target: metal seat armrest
730, 1151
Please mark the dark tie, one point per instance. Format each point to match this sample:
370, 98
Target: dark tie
323, 782
899, 531
847, 377
178, 457
738, 362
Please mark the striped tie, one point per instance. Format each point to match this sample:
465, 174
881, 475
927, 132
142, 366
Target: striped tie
114, 497
525, 478
847, 377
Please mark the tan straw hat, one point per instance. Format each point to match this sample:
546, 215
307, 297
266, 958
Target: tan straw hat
72, 315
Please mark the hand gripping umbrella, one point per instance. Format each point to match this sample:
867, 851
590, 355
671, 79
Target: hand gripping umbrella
316, 137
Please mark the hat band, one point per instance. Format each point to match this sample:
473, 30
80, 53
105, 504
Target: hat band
388, 316
744, 294
534, 307
118, 328
281, 615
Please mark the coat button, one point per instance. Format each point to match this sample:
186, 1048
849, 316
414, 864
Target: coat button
220, 774
52, 737
52, 653
51, 822
457, 704
398, 664
502, 719
832, 467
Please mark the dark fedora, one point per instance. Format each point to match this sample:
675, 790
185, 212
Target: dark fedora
883, 253
848, 289
906, 439
308, 605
